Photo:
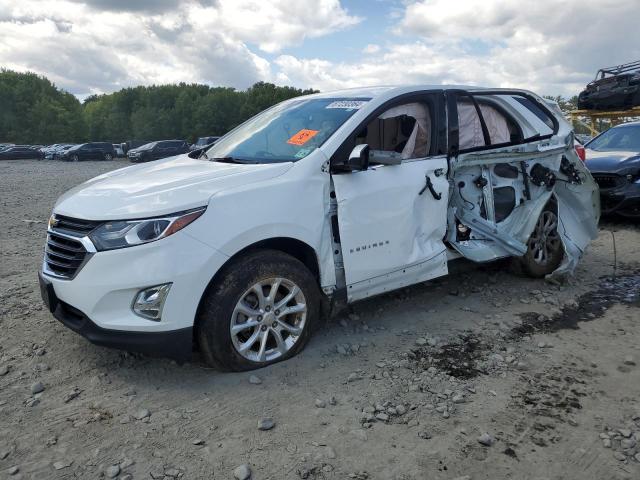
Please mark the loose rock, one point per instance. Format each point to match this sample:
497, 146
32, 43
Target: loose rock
486, 440
61, 464
142, 414
255, 380
266, 424
243, 472
37, 388
113, 471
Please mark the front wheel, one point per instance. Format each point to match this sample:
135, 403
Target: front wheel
261, 311
75, 158
545, 250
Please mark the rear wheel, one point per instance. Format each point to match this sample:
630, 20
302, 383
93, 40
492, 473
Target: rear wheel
545, 250
262, 311
108, 157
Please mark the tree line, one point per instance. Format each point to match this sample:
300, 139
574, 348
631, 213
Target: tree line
34, 111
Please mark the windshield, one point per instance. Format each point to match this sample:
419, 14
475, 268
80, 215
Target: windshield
147, 146
286, 132
625, 138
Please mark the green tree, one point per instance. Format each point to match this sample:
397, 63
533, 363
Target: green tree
33, 110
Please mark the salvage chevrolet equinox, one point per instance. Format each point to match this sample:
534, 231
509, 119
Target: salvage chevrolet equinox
240, 248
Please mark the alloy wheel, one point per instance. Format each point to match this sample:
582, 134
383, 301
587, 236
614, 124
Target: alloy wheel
268, 319
545, 238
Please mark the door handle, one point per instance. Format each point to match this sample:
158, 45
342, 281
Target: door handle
429, 185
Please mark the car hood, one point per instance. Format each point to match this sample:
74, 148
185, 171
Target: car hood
159, 188
611, 162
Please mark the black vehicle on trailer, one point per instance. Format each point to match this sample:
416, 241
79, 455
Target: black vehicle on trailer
613, 88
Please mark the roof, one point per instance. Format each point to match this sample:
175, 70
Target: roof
393, 90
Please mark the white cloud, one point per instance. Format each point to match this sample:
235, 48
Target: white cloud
100, 46
550, 47
275, 24
90, 46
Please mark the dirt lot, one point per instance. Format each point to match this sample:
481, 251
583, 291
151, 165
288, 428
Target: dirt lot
480, 375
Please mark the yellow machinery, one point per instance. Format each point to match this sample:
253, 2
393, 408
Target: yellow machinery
615, 117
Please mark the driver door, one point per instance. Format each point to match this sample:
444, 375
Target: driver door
392, 218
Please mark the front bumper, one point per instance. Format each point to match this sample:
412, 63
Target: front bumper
623, 201
174, 344
97, 302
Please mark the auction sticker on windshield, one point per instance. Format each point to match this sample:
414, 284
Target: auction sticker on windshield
302, 137
347, 104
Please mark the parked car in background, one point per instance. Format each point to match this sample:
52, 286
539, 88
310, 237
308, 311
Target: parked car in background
203, 142
158, 150
613, 158
5, 145
20, 152
579, 148
117, 147
613, 88
318, 202
131, 144
583, 138
59, 153
51, 152
89, 151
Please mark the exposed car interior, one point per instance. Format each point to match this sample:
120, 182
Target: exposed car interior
501, 128
404, 129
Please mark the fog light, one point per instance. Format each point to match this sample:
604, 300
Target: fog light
150, 301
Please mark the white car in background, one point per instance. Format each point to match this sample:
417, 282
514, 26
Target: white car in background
315, 203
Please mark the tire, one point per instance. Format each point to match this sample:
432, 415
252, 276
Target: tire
233, 302
75, 158
108, 157
545, 250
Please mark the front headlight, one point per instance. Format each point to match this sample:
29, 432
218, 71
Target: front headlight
127, 233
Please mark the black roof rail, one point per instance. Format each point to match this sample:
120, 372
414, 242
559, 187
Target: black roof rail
618, 69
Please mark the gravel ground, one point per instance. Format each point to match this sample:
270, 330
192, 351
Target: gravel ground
481, 375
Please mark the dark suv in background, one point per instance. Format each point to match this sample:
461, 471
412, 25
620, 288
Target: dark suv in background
158, 150
89, 151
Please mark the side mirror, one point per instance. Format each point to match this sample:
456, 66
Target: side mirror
196, 153
358, 160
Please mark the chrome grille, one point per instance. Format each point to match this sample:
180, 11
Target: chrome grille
63, 256
75, 226
608, 181
66, 249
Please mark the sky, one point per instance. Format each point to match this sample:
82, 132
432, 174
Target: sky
553, 47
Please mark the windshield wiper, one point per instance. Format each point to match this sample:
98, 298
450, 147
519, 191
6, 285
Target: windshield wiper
230, 160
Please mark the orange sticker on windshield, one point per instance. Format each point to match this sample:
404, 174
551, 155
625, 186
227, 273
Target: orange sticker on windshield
302, 137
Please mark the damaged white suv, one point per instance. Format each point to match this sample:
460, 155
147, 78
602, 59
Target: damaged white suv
317, 202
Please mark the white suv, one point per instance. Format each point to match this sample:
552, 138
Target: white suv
317, 202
